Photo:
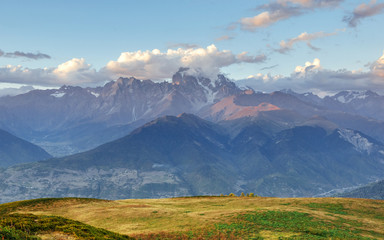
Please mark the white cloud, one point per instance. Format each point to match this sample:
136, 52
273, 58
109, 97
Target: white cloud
162, 65
72, 72
377, 68
153, 65
73, 65
309, 67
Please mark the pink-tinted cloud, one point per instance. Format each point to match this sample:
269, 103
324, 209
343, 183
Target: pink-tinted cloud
363, 11
283, 9
286, 46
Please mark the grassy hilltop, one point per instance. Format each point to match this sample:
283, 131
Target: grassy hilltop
194, 218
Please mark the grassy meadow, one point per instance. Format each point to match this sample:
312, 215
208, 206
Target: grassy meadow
194, 218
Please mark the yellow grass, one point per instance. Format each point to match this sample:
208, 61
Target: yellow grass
144, 216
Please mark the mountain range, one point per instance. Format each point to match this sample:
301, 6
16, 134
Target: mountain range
192, 136
186, 155
73, 119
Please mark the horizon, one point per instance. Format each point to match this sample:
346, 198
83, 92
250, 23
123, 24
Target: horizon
12, 89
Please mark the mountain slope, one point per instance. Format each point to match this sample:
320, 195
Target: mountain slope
373, 191
14, 150
186, 155
170, 156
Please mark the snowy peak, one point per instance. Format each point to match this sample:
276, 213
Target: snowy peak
349, 96
210, 90
200, 90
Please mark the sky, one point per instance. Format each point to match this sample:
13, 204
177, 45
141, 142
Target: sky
304, 45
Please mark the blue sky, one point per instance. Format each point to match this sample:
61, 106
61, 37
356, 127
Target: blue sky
51, 43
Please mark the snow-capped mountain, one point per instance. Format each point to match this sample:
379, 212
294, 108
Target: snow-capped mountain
352, 96
265, 142
365, 103
73, 119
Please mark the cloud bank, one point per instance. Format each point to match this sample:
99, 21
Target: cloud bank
72, 72
155, 65
313, 77
161, 65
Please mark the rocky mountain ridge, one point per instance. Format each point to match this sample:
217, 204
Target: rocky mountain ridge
74, 119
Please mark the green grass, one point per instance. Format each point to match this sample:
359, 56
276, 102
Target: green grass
299, 226
337, 208
28, 226
11, 233
43, 203
281, 224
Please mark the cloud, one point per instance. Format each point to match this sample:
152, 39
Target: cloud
73, 72
283, 9
34, 56
363, 11
267, 18
244, 57
182, 45
13, 91
224, 38
16, 54
377, 67
269, 67
155, 65
286, 46
158, 65
308, 68
313, 77
71, 66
